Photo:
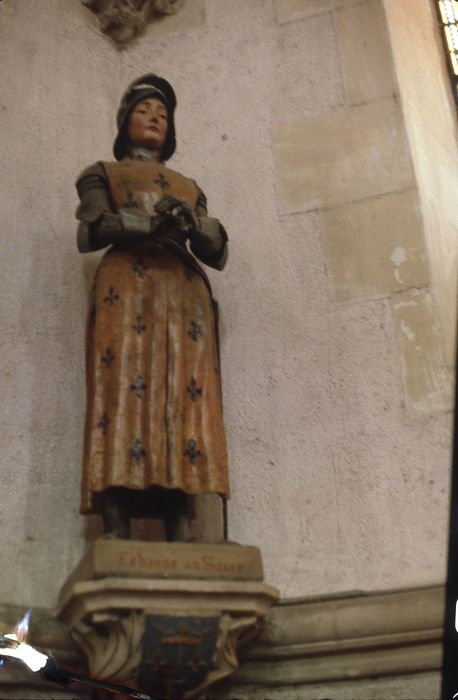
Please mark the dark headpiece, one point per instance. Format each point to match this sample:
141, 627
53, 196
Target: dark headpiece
148, 85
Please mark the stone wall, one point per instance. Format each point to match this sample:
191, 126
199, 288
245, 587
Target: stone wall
376, 646
336, 394
430, 114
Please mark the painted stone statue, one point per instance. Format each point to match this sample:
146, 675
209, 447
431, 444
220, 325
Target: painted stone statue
154, 434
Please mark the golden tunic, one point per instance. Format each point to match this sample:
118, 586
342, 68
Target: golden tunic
154, 413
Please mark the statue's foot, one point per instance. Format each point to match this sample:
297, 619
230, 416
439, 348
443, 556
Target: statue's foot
114, 536
177, 527
116, 520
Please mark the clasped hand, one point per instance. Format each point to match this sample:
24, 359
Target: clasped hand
180, 211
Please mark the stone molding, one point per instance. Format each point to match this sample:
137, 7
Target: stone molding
240, 597
336, 640
166, 617
108, 619
305, 645
124, 20
164, 560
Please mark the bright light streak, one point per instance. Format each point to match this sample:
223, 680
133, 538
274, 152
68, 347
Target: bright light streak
454, 62
34, 659
454, 34
22, 627
449, 10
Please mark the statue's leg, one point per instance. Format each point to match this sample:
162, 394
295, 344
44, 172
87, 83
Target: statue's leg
176, 516
115, 514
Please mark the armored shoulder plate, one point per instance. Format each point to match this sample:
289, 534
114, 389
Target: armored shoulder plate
92, 186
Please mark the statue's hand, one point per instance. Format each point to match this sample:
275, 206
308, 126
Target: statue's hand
126, 226
181, 213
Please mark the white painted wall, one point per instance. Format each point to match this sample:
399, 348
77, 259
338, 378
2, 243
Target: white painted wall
339, 485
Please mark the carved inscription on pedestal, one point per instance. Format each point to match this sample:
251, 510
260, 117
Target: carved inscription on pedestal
142, 561
137, 559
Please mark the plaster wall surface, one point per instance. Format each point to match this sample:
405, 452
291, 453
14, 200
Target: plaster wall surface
340, 486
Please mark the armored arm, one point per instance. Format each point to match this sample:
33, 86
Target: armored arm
99, 226
209, 239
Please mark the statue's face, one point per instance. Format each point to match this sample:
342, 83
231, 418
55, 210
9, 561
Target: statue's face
148, 124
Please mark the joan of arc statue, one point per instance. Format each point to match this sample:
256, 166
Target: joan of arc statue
154, 433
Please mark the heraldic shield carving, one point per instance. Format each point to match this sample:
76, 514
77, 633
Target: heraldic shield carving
158, 630
178, 652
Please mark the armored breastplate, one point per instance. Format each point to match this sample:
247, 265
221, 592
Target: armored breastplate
140, 184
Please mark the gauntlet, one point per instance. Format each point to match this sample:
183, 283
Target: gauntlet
116, 229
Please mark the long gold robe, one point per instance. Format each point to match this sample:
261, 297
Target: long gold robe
154, 413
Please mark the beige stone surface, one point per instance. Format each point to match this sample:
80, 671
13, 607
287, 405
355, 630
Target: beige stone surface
335, 4
421, 686
387, 618
298, 94
107, 619
385, 662
188, 17
134, 559
342, 642
341, 157
374, 247
88, 598
289, 10
427, 383
326, 464
364, 46
331, 647
431, 120
380, 483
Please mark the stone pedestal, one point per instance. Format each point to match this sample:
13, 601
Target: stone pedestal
166, 618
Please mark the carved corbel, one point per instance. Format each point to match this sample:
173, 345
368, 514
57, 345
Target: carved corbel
124, 20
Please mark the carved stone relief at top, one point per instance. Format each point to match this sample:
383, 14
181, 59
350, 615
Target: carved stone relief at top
123, 20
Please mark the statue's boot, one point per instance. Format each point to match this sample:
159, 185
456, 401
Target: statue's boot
177, 526
115, 515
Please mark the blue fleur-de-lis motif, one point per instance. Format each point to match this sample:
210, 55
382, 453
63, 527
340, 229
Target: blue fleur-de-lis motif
139, 324
137, 451
195, 331
140, 268
111, 297
162, 181
103, 423
193, 390
138, 386
191, 451
108, 358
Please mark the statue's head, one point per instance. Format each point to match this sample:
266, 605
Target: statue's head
154, 94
